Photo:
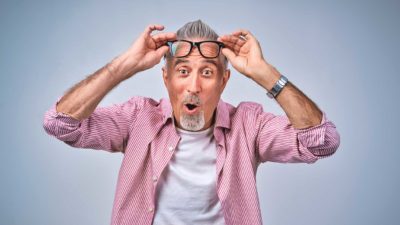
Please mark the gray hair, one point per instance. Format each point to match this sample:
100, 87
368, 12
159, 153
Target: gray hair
198, 29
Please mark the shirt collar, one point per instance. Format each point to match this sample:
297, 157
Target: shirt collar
222, 115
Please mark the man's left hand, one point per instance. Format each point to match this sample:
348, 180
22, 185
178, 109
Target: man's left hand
244, 53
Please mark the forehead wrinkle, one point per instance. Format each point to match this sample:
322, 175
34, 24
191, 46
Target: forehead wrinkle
183, 60
211, 61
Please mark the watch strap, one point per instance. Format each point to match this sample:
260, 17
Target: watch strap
277, 88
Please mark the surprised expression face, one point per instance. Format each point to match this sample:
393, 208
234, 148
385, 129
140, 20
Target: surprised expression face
195, 85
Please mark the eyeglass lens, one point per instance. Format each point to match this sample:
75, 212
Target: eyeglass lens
182, 49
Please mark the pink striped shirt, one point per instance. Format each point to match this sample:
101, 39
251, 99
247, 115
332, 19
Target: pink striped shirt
143, 130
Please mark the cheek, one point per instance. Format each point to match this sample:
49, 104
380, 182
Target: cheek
175, 90
212, 100
178, 87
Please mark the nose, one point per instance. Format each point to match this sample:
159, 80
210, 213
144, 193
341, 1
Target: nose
194, 86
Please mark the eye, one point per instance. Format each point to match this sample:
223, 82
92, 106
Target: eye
183, 71
207, 72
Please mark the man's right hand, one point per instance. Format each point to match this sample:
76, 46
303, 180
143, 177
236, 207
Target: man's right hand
143, 54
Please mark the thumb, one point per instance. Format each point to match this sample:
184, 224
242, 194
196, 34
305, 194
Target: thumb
161, 51
229, 54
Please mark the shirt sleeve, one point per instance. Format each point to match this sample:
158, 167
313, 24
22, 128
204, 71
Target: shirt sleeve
107, 128
279, 141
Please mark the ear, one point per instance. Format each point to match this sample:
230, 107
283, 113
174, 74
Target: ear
165, 75
225, 78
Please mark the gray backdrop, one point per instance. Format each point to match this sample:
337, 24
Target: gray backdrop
342, 54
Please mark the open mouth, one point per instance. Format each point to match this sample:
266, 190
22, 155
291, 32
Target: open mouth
190, 106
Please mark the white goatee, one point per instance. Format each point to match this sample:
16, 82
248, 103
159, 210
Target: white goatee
193, 122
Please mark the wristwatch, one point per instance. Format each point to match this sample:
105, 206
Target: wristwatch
277, 87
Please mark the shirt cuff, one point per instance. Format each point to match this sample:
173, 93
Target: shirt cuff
62, 117
313, 136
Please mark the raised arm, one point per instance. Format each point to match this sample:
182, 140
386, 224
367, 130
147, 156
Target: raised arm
304, 134
82, 99
75, 120
244, 52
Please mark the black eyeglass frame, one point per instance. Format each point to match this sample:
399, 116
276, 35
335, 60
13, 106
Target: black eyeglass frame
197, 44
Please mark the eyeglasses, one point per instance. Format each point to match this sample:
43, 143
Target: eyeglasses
207, 49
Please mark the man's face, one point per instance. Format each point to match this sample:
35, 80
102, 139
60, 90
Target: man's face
195, 85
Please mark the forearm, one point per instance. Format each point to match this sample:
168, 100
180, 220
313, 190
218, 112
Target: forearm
244, 53
82, 99
301, 111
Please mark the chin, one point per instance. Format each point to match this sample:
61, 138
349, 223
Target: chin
192, 121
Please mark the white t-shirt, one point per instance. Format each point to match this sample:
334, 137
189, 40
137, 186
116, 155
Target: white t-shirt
187, 191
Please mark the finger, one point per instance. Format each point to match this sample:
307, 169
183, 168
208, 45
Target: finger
244, 34
229, 54
164, 37
161, 51
152, 28
233, 47
232, 39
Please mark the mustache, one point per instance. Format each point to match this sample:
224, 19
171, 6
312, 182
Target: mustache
192, 99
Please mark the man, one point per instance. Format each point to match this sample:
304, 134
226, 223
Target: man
191, 159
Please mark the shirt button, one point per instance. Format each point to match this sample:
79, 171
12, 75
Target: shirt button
150, 209
170, 148
154, 178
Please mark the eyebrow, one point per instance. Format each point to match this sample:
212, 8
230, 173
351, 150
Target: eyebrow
178, 61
